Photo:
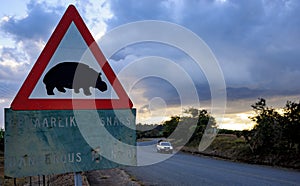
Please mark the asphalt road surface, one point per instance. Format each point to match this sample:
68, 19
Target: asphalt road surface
185, 169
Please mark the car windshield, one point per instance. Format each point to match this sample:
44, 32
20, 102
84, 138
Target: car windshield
165, 144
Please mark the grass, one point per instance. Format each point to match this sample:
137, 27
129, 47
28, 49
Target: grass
228, 142
231, 147
226, 146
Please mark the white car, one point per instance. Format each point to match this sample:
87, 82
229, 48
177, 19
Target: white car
164, 146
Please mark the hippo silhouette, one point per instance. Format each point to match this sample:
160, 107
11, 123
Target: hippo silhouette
73, 75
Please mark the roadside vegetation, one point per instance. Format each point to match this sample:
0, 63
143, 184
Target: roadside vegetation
274, 140
1, 157
1, 140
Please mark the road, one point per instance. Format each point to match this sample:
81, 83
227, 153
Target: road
186, 169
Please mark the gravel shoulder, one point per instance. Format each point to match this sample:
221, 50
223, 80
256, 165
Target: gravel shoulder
110, 177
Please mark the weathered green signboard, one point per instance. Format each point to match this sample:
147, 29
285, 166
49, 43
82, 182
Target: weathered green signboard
59, 141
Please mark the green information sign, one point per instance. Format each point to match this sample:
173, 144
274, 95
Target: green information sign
59, 141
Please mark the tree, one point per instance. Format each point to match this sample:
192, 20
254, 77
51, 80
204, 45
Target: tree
203, 119
194, 122
170, 125
148, 131
267, 133
274, 133
291, 128
1, 134
2, 139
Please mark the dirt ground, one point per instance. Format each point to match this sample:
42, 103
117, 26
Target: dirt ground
112, 177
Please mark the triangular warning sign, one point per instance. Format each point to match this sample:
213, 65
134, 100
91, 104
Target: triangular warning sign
71, 38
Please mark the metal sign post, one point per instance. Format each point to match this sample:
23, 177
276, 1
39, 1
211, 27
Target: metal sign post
77, 179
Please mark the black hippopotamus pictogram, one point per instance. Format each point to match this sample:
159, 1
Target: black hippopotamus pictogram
73, 75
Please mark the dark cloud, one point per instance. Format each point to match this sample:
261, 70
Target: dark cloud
131, 10
37, 25
250, 93
256, 42
157, 87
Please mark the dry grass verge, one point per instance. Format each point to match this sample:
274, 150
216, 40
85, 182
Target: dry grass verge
230, 147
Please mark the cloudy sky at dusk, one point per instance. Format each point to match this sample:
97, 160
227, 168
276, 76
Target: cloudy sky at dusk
255, 42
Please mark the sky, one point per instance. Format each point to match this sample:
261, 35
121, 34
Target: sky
256, 44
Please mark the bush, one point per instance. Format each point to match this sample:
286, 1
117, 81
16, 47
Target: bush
1, 139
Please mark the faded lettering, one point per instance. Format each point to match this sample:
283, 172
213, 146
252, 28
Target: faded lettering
70, 121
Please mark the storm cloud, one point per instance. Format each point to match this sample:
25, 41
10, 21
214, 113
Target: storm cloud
255, 42
37, 25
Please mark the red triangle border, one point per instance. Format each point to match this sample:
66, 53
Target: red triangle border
22, 101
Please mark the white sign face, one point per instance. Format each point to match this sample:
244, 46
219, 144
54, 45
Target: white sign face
73, 48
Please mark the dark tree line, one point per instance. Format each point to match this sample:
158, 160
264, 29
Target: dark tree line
2, 139
274, 133
149, 131
193, 122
